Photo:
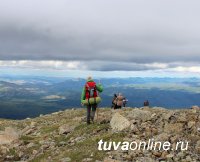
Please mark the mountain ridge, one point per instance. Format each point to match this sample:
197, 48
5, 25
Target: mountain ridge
23, 97
64, 136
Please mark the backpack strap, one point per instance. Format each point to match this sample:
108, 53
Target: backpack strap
87, 86
87, 89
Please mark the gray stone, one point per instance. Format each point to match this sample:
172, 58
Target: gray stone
67, 159
140, 114
191, 124
198, 147
119, 123
65, 129
188, 158
9, 135
195, 107
162, 137
87, 159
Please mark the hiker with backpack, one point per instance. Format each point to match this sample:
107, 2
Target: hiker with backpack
119, 101
90, 97
114, 101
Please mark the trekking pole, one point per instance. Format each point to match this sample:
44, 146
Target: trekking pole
97, 113
97, 107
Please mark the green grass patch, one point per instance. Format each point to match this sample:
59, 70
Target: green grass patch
48, 129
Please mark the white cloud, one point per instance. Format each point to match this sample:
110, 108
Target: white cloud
68, 65
102, 66
191, 69
157, 65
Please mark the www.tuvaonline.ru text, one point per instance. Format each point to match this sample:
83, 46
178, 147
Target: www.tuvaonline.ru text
142, 145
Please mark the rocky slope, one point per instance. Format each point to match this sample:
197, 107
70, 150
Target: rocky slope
64, 136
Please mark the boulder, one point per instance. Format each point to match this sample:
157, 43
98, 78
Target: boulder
191, 124
173, 128
140, 115
182, 118
119, 123
65, 129
162, 137
195, 107
87, 160
134, 128
110, 160
4, 149
198, 147
9, 135
67, 159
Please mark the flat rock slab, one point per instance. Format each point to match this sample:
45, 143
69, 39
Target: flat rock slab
9, 135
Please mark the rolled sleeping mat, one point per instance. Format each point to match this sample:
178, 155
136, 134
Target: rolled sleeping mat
92, 101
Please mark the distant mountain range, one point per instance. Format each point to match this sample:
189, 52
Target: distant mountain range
28, 96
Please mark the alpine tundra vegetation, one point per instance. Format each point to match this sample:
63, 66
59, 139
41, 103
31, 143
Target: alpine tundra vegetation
64, 136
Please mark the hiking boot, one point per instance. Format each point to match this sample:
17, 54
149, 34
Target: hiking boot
92, 119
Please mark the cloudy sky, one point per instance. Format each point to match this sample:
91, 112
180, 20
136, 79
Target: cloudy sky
125, 36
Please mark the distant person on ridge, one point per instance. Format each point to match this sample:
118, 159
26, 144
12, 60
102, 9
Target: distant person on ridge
90, 90
146, 103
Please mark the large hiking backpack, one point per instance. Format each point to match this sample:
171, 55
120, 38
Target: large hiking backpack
90, 90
